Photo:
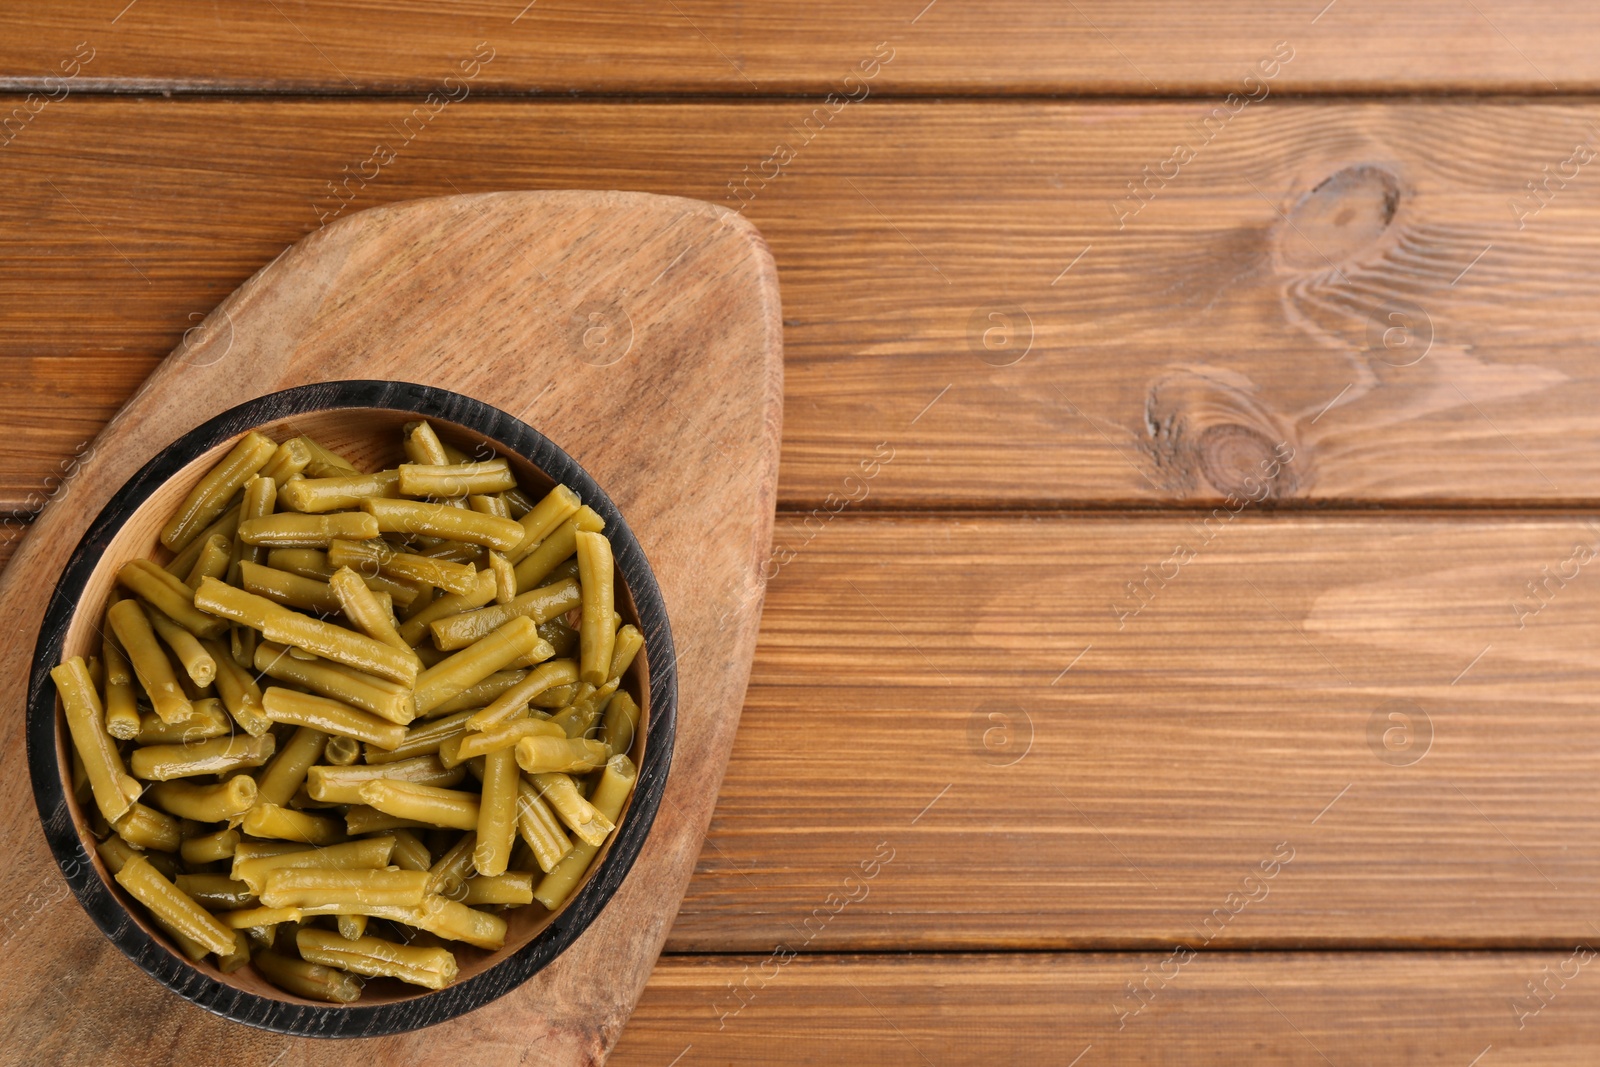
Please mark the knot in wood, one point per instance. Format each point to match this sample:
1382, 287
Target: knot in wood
1237, 459
1208, 427
1344, 216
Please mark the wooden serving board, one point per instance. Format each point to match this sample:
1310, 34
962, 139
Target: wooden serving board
643, 335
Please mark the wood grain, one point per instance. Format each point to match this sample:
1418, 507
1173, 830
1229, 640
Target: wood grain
459, 292
721, 46
1222, 1008
1165, 365
911, 695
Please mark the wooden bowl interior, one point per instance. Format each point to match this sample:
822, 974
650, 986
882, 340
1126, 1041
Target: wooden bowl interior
369, 438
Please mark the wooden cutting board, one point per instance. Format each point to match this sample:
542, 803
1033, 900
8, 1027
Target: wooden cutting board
643, 335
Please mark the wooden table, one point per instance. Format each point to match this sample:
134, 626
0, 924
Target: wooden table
1180, 642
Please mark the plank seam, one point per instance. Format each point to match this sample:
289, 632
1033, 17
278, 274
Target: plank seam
15, 89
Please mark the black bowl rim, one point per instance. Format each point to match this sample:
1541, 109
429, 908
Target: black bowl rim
397, 1017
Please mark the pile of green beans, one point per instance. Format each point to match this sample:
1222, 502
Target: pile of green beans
356, 716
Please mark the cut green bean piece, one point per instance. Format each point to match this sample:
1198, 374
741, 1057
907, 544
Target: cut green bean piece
279, 780
313, 563
624, 650
307, 531
610, 797
367, 556
620, 723
205, 803
260, 501
558, 505
540, 754
210, 497
121, 704
497, 813
505, 577
578, 718
410, 854
212, 561
490, 505
451, 869
415, 629
453, 808
456, 479
381, 697
226, 528
255, 918
116, 852
310, 980
597, 631
342, 785
114, 791
371, 852
361, 819
422, 740
325, 463
559, 697
312, 887
239, 692
453, 551
422, 444
160, 763
484, 693
210, 848
493, 652
539, 605
197, 663
324, 639
330, 716
149, 661
413, 517
173, 906
540, 828
144, 827
318, 495
290, 590
216, 892
557, 547
286, 824
475, 743
250, 850
579, 815
432, 968
232, 961
437, 915
518, 501
342, 751
362, 607
513, 887
292, 457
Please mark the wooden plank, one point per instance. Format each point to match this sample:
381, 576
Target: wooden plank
717, 46
1165, 366
912, 697
1172, 759
434, 293
1220, 1008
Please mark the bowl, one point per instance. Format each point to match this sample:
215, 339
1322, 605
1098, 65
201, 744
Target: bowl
361, 419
